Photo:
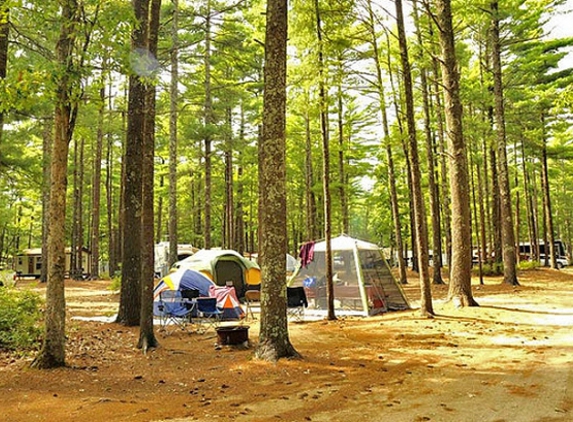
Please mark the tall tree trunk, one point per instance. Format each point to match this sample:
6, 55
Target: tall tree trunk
497, 250
52, 353
341, 162
130, 295
228, 240
111, 229
550, 255
508, 236
160, 214
4, 32
388, 147
432, 185
197, 207
75, 211
459, 291
325, 166
274, 342
531, 215
239, 225
78, 269
445, 203
96, 187
515, 187
478, 198
485, 191
476, 220
122, 196
147, 337
311, 212
399, 113
426, 307
173, 135
47, 141
208, 121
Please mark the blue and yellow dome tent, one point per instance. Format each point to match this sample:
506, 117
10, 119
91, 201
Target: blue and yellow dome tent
224, 267
182, 279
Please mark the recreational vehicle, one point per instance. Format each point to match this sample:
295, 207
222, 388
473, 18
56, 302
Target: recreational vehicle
162, 256
526, 252
28, 263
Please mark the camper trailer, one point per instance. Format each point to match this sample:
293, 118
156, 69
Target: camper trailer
162, 256
28, 263
526, 252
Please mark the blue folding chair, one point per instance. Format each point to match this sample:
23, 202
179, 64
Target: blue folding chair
207, 311
174, 310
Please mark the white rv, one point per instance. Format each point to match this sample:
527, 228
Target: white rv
162, 256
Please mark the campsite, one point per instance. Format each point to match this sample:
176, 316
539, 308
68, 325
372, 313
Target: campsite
508, 360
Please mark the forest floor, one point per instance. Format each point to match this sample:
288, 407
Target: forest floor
511, 359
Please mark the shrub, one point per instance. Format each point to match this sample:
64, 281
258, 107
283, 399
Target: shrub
6, 278
528, 265
493, 269
19, 319
115, 284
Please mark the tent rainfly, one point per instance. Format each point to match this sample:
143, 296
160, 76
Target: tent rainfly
363, 282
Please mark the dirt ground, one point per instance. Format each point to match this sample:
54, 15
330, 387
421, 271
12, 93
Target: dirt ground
508, 360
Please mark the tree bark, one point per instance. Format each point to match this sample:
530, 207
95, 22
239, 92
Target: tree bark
229, 221
111, 229
76, 271
432, 185
388, 147
4, 33
173, 135
398, 113
341, 163
274, 342
443, 183
96, 188
311, 212
75, 211
239, 216
47, 141
496, 248
325, 167
52, 353
208, 121
147, 339
459, 291
550, 255
508, 236
130, 295
426, 307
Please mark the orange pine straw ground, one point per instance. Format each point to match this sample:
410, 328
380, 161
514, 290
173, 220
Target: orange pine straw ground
508, 360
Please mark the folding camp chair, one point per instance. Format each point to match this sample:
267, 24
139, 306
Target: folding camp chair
207, 311
296, 302
174, 309
252, 297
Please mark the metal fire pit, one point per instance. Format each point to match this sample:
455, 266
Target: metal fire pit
232, 335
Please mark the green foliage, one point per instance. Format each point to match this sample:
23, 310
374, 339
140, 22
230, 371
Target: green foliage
6, 279
19, 319
493, 269
105, 276
535, 87
115, 282
528, 265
